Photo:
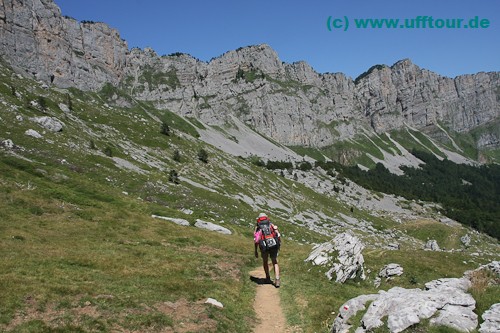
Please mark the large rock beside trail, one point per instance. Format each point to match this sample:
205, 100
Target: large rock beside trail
348, 262
491, 318
445, 301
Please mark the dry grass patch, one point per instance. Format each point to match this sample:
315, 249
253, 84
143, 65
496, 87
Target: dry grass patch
87, 314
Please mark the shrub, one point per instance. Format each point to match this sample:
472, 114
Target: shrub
176, 156
42, 102
305, 166
273, 165
203, 155
108, 151
69, 101
173, 177
165, 129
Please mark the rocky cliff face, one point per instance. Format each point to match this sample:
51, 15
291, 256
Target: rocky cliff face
297, 106
35, 38
291, 103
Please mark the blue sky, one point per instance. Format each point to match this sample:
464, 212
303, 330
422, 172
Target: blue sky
297, 30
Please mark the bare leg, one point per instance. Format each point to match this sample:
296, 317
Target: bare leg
265, 264
276, 267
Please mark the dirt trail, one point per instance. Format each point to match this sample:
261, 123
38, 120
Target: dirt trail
267, 305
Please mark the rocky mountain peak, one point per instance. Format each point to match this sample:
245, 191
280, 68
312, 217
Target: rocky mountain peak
292, 103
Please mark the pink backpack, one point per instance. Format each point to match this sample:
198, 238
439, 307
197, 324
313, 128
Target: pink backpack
257, 236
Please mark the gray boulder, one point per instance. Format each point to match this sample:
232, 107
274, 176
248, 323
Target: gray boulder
432, 245
493, 266
491, 319
465, 240
50, 123
172, 219
390, 270
33, 133
212, 227
348, 310
64, 107
349, 262
393, 246
446, 300
7, 144
321, 254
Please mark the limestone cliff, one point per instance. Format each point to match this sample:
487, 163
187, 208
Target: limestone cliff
35, 38
291, 103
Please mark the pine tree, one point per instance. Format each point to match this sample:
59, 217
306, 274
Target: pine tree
203, 155
165, 129
173, 177
176, 156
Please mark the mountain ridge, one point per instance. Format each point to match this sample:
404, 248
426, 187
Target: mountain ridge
291, 103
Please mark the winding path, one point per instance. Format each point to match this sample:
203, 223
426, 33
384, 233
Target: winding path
267, 305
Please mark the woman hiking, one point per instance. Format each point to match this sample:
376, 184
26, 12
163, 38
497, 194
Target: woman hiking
267, 237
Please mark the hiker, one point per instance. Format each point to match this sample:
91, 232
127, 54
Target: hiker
267, 237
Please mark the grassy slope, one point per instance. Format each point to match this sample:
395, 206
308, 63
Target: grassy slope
79, 254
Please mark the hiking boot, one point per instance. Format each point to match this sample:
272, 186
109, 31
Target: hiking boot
277, 283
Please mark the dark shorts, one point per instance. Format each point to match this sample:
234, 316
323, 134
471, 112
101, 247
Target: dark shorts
273, 253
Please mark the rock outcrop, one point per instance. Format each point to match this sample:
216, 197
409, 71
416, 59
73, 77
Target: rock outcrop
446, 301
465, 240
49, 123
432, 245
348, 263
491, 319
37, 39
390, 270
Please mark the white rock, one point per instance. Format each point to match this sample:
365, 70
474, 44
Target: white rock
187, 211
214, 302
391, 270
465, 240
64, 107
8, 144
349, 262
491, 318
445, 300
212, 227
432, 245
33, 133
50, 123
172, 219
